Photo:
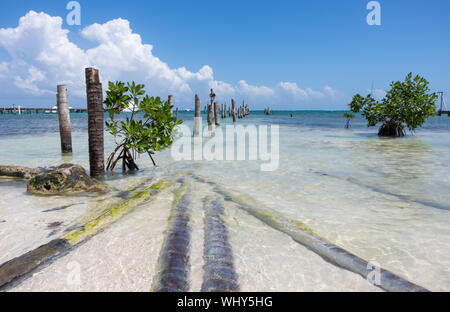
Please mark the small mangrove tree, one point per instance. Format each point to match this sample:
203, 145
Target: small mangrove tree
348, 117
408, 103
148, 125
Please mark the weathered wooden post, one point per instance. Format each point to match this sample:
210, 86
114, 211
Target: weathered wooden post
95, 122
170, 100
217, 113
233, 109
210, 116
62, 102
197, 116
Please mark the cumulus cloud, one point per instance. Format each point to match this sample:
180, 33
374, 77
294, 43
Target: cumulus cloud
29, 83
42, 56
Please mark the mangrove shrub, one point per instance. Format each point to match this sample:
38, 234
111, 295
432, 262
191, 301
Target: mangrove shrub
348, 117
148, 127
408, 104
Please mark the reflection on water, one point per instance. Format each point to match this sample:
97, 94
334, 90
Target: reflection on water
378, 198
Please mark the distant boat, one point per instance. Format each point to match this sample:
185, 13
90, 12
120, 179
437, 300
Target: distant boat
54, 110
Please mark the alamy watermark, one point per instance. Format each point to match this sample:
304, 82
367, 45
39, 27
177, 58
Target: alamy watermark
374, 276
236, 143
374, 16
74, 16
74, 274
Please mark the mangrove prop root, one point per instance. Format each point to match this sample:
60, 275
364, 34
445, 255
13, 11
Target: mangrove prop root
303, 235
125, 155
22, 266
173, 274
392, 129
220, 275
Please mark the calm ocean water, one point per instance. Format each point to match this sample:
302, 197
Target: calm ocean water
386, 200
48, 123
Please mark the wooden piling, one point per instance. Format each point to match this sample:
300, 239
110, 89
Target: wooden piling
197, 116
62, 97
170, 101
210, 116
217, 113
233, 110
95, 122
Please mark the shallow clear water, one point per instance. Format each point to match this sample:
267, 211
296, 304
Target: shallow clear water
385, 200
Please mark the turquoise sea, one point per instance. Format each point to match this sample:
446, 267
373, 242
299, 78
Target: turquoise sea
385, 200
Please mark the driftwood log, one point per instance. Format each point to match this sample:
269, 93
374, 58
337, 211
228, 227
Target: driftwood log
20, 172
67, 178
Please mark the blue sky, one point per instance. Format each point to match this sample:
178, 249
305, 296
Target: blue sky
321, 51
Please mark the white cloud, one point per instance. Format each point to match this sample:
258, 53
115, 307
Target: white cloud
254, 91
29, 83
330, 91
43, 56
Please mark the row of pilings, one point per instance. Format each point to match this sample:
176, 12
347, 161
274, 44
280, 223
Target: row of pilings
95, 110
215, 112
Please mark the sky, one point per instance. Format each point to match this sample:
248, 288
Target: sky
294, 55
